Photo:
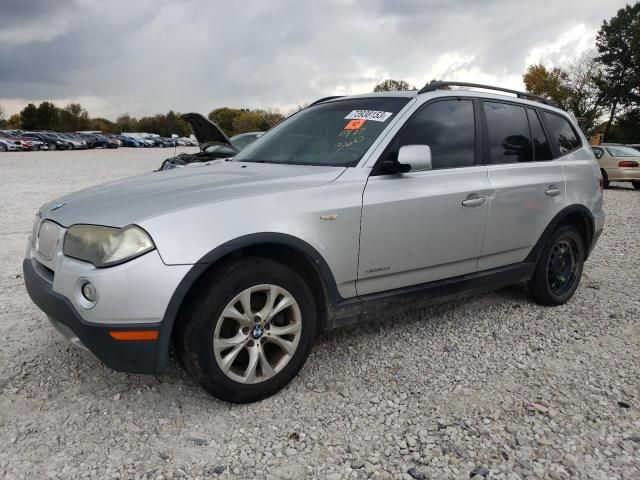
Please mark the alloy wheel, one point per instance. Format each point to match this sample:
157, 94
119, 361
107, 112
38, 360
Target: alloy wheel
257, 334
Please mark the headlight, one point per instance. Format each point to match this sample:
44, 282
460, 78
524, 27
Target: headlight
106, 246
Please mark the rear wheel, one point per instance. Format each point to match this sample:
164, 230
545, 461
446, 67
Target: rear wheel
52, 146
636, 185
3, 147
559, 267
248, 330
605, 179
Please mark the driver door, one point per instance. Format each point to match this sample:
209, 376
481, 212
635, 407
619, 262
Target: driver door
419, 227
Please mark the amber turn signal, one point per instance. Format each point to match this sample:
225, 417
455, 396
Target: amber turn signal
134, 334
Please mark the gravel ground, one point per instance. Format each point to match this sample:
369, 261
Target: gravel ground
492, 387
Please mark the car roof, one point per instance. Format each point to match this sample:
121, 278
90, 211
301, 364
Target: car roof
458, 92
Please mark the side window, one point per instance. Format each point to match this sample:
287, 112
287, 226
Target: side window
561, 130
509, 137
598, 152
541, 147
448, 127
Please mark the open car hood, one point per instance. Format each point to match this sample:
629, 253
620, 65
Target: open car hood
206, 132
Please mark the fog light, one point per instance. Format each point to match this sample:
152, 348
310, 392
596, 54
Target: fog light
89, 292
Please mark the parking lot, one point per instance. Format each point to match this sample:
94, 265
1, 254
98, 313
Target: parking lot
493, 386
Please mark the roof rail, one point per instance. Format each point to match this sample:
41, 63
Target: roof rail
324, 99
438, 85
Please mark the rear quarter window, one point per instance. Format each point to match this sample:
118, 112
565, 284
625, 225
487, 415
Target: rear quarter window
562, 133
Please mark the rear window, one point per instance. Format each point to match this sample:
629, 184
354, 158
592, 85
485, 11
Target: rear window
623, 152
562, 132
508, 128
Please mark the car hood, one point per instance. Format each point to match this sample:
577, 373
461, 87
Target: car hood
123, 202
205, 131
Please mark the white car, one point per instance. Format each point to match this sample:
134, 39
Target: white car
7, 145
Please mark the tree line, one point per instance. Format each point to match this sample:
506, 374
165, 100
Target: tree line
74, 117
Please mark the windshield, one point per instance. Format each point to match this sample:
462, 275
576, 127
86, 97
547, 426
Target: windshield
623, 152
330, 134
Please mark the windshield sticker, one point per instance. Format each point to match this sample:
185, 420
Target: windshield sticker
376, 116
354, 124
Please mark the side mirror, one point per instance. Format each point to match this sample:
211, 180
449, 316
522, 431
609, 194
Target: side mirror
411, 158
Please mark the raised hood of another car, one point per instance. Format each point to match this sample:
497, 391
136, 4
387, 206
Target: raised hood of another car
206, 132
124, 202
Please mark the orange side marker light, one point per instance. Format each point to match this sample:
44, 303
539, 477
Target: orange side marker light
129, 335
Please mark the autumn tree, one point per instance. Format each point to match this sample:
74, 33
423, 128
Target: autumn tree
3, 116
552, 84
390, 85
618, 44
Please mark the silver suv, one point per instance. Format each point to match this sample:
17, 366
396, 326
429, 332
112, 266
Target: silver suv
352, 209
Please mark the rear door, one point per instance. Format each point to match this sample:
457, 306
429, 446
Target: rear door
527, 185
418, 227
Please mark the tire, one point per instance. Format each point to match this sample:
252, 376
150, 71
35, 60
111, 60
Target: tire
52, 147
203, 325
3, 147
565, 246
636, 185
605, 179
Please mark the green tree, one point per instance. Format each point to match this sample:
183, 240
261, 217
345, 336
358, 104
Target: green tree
73, 118
248, 122
391, 85
29, 117
48, 116
224, 118
126, 123
3, 116
618, 44
14, 121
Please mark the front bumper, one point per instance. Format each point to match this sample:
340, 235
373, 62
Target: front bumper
124, 356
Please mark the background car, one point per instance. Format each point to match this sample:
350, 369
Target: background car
618, 163
243, 140
8, 145
213, 142
51, 142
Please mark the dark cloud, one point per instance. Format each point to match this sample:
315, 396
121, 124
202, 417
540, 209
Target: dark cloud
153, 55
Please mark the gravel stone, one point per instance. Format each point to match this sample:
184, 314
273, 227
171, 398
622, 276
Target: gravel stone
372, 401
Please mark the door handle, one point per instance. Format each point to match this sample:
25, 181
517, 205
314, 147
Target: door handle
552, 191
473, 200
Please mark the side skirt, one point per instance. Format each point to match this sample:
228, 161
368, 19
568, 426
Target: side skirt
392, 302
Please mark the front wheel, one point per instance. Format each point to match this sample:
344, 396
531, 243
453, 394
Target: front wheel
636, 185
248, 331
559, 267
605, 179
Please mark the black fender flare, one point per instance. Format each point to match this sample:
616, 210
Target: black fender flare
202, 265
559, 218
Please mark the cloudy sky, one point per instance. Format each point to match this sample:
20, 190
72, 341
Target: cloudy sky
148, 56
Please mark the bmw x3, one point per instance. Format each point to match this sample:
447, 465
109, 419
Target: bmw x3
353, 209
